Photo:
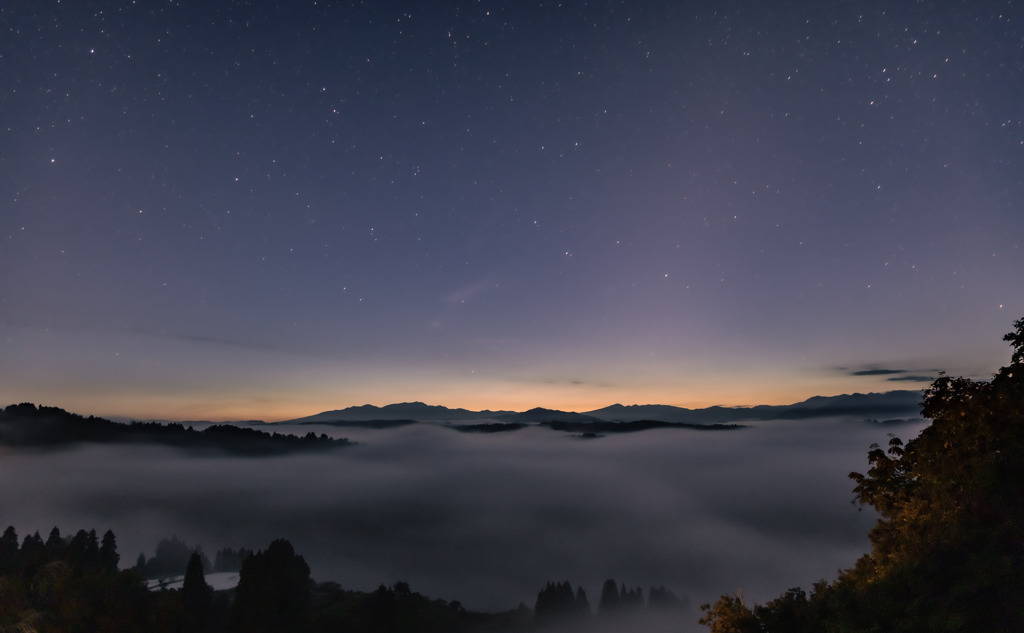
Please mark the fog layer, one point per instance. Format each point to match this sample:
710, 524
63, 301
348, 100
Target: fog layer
487, 519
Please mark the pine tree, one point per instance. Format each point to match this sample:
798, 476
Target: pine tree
610, 598
196, 596
108, 556
582, 604
8, 550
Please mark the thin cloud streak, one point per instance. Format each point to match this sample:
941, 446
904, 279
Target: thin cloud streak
877, 372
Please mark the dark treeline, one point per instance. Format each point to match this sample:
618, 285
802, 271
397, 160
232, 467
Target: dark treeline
558, 604
26, 425
74, 584
948, 549
595, 427
489, 427
68, 584
591, 428
172, 557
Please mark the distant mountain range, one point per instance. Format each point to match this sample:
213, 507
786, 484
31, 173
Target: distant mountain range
892, 403
28, 426
404, 411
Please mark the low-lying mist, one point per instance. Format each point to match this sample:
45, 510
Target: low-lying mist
487, 519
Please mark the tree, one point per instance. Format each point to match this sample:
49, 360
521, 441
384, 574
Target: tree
948, 547
790, 612
196, 596
1016, 341
84, 549
54, 544
108, 556
170, 559
662, 598
8, 549
951, 526
228, 559
402, 589
610, 600
381, 611
582, 604
274, 591
556, 601
62, 588
631, 599
729, 615
33, 552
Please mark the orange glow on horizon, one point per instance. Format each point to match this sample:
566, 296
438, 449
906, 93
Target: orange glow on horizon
286, 406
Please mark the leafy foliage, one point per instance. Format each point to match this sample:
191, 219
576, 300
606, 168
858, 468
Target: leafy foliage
948, 548
729, 615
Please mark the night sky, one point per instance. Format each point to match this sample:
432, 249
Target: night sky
229, 210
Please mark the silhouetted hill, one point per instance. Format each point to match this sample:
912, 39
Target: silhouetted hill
870, 404
417, 411
539, 414
853, 404
25, 425
889, 404
668, 413
364, 424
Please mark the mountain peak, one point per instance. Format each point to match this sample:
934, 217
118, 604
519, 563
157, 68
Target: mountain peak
901, 402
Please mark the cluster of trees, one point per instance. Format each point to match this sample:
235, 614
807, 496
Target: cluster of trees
67, 584
26, 425
74, 584
614, 599
228, 559
558, 603
84, 550
948, 549
172, 556
397, 609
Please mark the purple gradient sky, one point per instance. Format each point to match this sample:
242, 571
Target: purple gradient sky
234, 210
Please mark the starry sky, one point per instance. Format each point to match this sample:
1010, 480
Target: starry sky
228, 210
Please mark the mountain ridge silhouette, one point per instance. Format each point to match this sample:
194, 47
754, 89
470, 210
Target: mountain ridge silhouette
862, 404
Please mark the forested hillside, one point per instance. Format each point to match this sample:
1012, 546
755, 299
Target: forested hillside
74, 584
28, 426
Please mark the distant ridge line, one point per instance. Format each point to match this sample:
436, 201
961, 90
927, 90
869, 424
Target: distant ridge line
889, 403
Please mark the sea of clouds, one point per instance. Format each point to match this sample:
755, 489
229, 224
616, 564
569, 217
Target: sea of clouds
488, 519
